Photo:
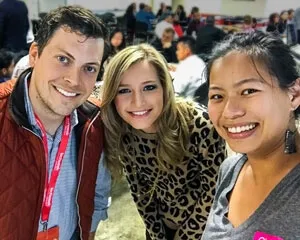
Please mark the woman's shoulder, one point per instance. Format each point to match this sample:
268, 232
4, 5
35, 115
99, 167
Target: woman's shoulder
230, 163
199, 115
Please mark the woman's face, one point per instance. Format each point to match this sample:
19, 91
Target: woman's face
284, 16
248, 108
276, 18
117, 39
139, 99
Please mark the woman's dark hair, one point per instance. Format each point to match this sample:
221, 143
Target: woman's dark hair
130, 9
272, 18
264, 49
6, 58
76, 18
180, 7
123, 43
194, 10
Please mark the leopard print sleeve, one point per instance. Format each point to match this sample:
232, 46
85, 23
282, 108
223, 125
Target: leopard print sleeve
212, 152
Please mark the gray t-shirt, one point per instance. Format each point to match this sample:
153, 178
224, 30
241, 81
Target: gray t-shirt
278, 215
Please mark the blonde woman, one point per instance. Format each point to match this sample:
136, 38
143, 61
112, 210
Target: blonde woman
167, 147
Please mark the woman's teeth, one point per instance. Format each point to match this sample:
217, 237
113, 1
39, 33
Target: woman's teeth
241, 128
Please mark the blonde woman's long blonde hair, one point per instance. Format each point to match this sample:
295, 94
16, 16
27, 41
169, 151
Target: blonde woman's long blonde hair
172, 124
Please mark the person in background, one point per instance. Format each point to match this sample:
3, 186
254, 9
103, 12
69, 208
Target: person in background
273, 24
291, 33
207, 37
21, 66
166, 145
283, 17
161, 10
52, 182
180, 13
248, 24
143, 15
254, 98
166, 45
166, 22
14, 25
117, 41
195, 23
297, 24
177, 26
190, 16
7, 64
190, 72
130, 20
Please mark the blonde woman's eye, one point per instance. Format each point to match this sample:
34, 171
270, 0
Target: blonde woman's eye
123, 91
150, 87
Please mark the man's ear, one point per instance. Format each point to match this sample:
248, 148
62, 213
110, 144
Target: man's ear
33, 54
294, 94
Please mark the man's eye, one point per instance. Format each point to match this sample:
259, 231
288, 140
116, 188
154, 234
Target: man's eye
63, 59
90, 69
124, 90
249, 91
150, 87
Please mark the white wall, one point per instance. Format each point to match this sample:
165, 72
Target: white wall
97, 5
258, 8
205, 6
46, 6
279, 5
237, 7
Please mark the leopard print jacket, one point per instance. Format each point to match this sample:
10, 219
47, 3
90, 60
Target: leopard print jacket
178, 196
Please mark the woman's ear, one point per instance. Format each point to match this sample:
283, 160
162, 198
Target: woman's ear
294, 94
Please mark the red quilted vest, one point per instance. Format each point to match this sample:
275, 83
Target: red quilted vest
22, 168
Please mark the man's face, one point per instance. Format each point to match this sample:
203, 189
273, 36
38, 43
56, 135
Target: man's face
169, 19
182, 51
197, 16
64, 74
167, 37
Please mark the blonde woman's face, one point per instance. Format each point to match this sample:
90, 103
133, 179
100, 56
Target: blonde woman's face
139, 99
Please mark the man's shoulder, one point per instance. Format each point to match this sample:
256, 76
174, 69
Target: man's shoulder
90, 108
6, 88
95, 101
196, 58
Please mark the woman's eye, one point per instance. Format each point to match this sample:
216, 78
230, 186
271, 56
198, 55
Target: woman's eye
124, 90
150, 87
63, 59
215, 97
248, 91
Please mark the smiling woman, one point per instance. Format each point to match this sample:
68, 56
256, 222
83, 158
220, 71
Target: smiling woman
167, 146
254, 97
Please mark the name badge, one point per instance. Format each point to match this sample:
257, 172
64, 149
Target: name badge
50, 234
265, 236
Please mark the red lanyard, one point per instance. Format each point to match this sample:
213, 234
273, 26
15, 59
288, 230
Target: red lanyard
50, 185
